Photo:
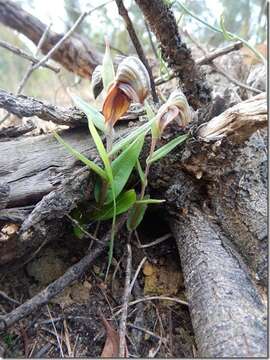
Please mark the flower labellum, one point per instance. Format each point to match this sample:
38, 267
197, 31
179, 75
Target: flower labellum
175, 108
131, 84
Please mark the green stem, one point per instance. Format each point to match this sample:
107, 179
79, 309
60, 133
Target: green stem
147, 168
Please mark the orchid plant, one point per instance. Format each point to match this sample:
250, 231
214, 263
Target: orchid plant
130, 84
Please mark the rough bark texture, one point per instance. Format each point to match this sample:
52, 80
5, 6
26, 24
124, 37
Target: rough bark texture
228, 316
163, 24
76, 54
24, 106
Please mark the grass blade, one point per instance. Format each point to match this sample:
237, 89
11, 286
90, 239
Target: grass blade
82, 158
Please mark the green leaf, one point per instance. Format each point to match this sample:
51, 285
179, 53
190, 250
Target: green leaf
106, 161
135, 216
123, 203
164, 150
107, 71
150, 115
133, 135
123, 165
90, 111
140, 171
82, 158
150, 201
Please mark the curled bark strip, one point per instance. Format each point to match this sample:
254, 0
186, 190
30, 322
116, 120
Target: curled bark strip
228, 316
163, 24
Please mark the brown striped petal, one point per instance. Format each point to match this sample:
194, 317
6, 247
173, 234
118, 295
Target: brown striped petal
115, 104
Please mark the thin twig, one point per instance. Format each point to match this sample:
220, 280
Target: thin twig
8, 298
136, 274
31, 69
86, 233
146, 331
17, 51
151, 39
123, 321
136, 42
221, 71
55, 333
150, 298
204, 60
155, 242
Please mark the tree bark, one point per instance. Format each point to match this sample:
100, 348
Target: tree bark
228, 316
76, 54
163, 24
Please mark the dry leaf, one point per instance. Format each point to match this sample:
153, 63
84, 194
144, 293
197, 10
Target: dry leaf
111, 347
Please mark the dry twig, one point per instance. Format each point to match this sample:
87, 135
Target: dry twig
123, 321
221, 71
17, 51
204, 60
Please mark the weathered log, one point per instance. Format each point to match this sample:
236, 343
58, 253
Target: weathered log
76, 54
163, 24
35, 167
228, 316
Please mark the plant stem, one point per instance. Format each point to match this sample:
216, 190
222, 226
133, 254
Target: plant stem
147, 168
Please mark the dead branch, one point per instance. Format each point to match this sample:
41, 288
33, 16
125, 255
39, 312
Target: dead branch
12, 132
24, 106
205, 59
136, 42
163, 24
17, 51
219, 69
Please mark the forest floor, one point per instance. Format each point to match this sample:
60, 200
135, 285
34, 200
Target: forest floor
71, 325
